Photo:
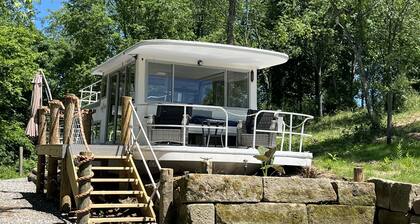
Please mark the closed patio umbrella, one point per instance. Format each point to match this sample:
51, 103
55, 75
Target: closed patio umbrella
36, 103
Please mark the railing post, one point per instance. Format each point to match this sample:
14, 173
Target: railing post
42, 140
20, 161
55, 106
85, 187
125, 120
65, 201
87, 124
166, 186
358, 174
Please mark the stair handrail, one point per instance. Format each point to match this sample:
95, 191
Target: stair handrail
135, 140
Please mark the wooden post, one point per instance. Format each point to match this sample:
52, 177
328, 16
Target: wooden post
85, 170
42, 140
358, 174
207, 166
87, 124
166, 190
20, 161
65, 200
125, 120
55, 106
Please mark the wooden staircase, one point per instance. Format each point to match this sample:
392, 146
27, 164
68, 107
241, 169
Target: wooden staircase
118, 194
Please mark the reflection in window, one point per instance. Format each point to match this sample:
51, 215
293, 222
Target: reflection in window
159, 82
197, 85
237, 89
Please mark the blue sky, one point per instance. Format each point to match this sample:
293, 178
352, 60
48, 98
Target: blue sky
43, 8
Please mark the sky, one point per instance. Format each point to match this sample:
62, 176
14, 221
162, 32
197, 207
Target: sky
43, 8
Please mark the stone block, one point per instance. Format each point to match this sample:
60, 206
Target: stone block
416, 206
343, 214
390, 217
415, 219
355, 193
383, 192
261, 213
197, 214
403, 196
298, 190
220, 188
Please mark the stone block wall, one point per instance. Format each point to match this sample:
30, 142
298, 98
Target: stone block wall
397, 202
210, 199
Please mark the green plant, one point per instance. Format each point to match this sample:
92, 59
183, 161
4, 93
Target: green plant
266, 158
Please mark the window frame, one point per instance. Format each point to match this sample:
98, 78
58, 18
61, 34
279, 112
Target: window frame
146, 78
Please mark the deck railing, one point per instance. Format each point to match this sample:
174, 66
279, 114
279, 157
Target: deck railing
282, 125
135, 139
185, 124
90, 94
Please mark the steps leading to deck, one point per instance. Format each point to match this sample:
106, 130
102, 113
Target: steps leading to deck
118, 194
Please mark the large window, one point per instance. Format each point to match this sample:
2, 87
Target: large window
159, 82
197, 85
237, 89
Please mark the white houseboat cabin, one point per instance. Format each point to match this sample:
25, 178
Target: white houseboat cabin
194, 102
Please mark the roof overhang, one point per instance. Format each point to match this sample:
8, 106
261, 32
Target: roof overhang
191, 52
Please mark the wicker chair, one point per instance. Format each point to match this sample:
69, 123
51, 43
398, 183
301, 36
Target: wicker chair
168, 115
245, 131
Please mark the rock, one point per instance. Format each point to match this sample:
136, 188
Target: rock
220, 188
298, 190
390, 217
416, 206
261, 213
383, 192
197, 214
355, 193
342, 214
402, 196
415, 219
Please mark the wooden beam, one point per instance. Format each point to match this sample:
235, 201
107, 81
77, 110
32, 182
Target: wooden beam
55, 106
42, 140
166, 190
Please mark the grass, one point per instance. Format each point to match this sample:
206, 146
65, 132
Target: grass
9, 172
344, 140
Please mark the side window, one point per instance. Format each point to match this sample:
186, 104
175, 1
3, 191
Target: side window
159, 82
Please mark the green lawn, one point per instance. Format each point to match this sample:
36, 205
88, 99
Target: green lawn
343, 141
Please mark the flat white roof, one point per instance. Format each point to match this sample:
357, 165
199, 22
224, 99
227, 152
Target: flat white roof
190, 52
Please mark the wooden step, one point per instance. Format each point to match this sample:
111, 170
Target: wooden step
112, 168
122, 219
112, 180
117, 192
110, 157
116, 205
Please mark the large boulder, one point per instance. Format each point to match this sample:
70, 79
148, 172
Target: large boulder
355, 193
343, 214
390, 217
298, 190
403, 196
261, 213
197, 214
383, 192
220, 188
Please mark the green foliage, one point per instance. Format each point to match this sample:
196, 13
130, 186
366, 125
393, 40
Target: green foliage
266, 157
339, 144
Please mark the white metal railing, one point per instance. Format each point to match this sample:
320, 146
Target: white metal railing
281, 127
90, 94
135, 144
185, 124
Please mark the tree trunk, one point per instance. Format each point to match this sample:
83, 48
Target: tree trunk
318, 97
365, 84
230, 22
389, 118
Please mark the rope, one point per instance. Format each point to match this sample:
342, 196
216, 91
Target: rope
80, 160
79, 113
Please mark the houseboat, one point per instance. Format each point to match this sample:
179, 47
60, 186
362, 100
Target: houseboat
194, 103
